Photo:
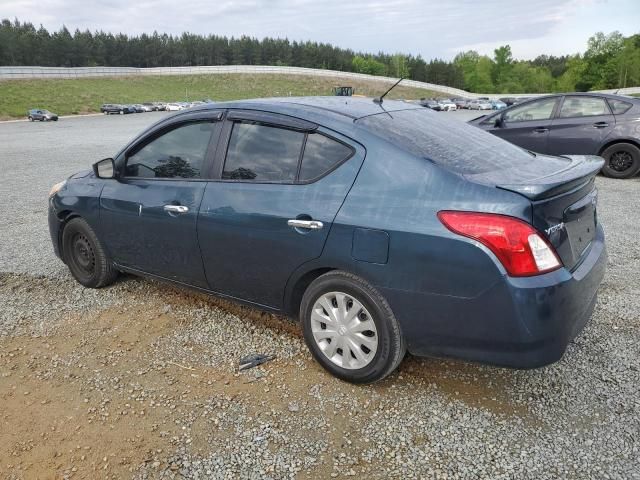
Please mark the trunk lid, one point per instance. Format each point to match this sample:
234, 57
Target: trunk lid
564, 206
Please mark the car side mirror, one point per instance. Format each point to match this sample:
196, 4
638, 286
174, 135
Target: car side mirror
499, 123
105, 168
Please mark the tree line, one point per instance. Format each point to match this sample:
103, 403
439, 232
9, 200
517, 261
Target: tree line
611, 61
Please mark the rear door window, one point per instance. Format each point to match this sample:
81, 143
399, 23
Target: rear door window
573, 107
532, 111
263, 153
178, 153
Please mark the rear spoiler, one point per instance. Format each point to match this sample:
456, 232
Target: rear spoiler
581, 170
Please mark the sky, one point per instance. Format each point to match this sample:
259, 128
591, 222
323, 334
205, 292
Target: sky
433, 29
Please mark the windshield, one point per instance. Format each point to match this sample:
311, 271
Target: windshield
458, 147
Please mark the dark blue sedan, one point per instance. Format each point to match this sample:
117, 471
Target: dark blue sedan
383, 227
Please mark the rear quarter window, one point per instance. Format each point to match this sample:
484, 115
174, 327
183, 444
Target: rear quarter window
321, 154
618, 107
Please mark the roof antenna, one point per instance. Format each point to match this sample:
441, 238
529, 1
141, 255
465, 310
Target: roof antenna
379, 100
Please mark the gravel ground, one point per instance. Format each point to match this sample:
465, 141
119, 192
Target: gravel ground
139, 380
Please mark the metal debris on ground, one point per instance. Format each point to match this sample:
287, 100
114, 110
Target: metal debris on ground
254, 360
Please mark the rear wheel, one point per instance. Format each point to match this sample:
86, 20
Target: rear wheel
622, 160
350, 328
85, 256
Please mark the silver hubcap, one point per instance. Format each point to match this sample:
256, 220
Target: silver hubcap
344, 330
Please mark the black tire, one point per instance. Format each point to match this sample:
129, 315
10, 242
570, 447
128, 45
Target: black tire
390, 347
85, 256
30, 118
622, 160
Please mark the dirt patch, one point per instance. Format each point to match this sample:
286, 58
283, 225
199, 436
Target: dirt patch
101, 394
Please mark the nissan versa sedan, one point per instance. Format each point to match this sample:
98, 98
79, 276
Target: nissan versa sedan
382, 226
576, 123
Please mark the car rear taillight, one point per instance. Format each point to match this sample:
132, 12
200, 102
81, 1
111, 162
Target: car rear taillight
518, 246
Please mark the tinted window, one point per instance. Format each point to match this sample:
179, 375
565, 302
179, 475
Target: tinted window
583, 107
538, 110
262, 153
179, 153
321, 154
619, 107
456, 146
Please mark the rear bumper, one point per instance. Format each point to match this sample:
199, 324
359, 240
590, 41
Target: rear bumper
517, 322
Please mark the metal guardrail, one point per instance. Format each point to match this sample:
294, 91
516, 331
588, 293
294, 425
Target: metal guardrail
16, 73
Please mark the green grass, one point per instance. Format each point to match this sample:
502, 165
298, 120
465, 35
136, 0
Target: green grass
78, 96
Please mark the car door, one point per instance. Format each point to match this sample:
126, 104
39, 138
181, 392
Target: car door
581, 125
280, 184
148, 214
527, 125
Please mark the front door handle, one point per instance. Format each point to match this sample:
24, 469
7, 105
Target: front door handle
309, 224
541, 130
176, 209
600, 125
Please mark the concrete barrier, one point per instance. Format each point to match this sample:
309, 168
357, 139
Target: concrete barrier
17, 73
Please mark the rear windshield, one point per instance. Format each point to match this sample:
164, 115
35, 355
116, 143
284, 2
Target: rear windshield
459, 147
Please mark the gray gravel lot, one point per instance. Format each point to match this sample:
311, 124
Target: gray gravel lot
579, 418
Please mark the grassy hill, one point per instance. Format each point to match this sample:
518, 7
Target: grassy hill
78, 96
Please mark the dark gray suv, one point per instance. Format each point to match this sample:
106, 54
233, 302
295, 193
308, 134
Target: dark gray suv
574, 124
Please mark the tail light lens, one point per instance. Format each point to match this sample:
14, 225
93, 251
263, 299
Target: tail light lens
518, 246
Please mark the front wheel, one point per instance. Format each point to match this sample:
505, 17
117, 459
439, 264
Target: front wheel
622, 160
30, 118
350, 329
85, 256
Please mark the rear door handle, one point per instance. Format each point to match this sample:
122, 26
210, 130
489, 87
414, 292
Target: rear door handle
600, 125
309, 224
176, 209
541, 130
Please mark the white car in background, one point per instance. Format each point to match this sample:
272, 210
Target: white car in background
447, 105
479, 104
174, 107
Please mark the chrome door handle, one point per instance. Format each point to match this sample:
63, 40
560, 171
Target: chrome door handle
176, 209
541, 130
310, 224
600, 125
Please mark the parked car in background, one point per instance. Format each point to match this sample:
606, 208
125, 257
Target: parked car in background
474, 248
576, 123
447, 105
479, 104
432, 104
174, 107
41, 115
460, 103
508, 100
138, 108
498, 105
109, 108
146, 107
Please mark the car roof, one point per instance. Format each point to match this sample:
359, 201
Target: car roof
590, 94
346, 108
